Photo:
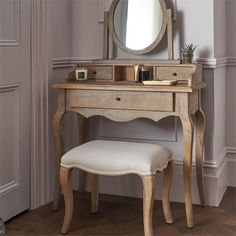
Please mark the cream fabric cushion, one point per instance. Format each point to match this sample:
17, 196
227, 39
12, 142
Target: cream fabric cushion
117, 158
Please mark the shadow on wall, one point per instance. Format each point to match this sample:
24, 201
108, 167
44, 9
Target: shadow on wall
179, 29
204, 53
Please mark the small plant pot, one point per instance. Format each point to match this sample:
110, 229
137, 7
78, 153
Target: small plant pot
187, 58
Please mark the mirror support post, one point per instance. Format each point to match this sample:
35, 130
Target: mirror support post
105, 37
170, 35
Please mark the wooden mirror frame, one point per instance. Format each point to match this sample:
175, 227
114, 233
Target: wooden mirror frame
109, 26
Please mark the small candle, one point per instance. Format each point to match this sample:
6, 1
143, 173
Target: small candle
81, 74
143, 74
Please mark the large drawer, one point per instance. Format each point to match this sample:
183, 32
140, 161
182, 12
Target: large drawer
147, 101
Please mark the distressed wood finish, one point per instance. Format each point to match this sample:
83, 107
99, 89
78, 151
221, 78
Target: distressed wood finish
187, 124
200, 130
168, 174
59, 144
105, 36
120, 115
121, 100
128, 86
193, 102
101, 71
188, 74
170, 35
186, 102
149, 184
65, 180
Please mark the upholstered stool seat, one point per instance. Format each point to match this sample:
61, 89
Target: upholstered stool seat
117, 158
112, 158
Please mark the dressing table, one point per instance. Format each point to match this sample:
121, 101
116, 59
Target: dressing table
111, 92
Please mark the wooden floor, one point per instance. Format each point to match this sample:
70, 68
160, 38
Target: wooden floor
123, 216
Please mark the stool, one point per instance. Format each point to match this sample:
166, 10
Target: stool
115, 158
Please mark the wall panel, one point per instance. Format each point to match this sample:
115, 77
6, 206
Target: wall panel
10, 22
9, 139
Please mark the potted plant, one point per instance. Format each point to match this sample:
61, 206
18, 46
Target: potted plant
187, 53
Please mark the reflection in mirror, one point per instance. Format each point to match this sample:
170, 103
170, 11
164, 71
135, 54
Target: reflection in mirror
137, 23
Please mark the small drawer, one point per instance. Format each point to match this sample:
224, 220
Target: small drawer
146, 101
100, 72
174, 72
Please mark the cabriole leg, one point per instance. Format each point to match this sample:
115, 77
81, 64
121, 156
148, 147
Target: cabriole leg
149, 184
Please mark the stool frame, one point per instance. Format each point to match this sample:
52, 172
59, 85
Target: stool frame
149, 185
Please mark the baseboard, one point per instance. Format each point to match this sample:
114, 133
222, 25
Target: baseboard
231, 157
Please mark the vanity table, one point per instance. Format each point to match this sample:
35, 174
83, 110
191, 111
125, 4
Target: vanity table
111, 92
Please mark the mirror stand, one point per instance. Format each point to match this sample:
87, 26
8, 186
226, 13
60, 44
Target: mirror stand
105, 36
169, 35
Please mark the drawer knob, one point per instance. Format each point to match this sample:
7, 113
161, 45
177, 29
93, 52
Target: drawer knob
118, 99
174, 74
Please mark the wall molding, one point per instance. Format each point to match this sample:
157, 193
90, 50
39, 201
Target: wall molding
65, 62
214, 63
40, 160
221, 157
8, 87
14, 42
208, 63
230, 150
9, 187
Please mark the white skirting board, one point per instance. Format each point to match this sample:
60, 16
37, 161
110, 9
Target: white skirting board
232, 168
216, 181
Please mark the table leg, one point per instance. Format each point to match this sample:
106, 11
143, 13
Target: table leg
82, 128
187, 124
200, 130
58, 144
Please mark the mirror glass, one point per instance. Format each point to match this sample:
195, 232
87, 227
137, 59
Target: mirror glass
137, 23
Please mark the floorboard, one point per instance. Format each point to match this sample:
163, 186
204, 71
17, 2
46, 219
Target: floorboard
123, 216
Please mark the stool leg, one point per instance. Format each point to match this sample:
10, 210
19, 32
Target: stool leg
168, 173
65, 180
94, 193
149, 184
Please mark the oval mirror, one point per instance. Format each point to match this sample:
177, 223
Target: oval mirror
137, 26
